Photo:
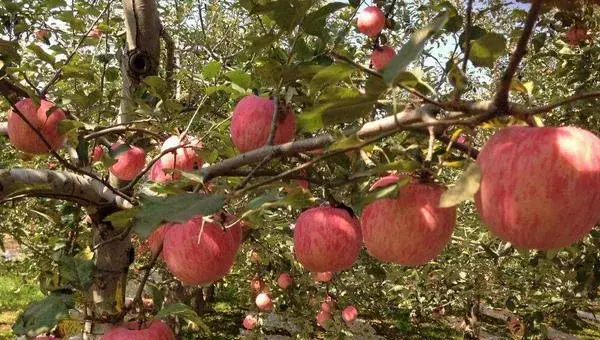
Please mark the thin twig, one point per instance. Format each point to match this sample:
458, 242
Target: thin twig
138, 295
552, 106
274, 121
72, 54
253, 171
189, 125
520, 51
119, 237
468, 36
118, 129
150, 164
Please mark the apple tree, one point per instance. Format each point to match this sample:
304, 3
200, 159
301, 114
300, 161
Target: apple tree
302, 168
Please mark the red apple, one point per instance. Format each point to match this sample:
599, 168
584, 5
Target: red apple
250, 322
540, 187
322, 276
251, 124
258, 285
263, 302
42, 35
157, 236
382, 56
327, 239
323, 317
183, 159
198, 252
349, 314
95, 33
97, 153
153, 330
576, 35
284, 281
371, 21
128, 163
410, 229
24, 138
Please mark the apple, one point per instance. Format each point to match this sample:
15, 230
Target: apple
285, 280
371, 21
97, 153
152, 330
183, 159
349, 314
129, 163
382, 56
250, 322
44, 119
540, 186
263, 302
576, 35
251, 123
327, 239
258, 285
410, 229
157, 236
95, 33
42, 35
323, 317
198, 252
322, 276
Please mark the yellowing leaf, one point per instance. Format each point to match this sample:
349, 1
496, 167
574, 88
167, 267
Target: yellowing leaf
464, 189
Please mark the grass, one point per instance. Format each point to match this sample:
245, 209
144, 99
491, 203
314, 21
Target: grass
15, 295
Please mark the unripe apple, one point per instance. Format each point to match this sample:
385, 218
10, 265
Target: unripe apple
349, 314
251, 123
284, 281
540, 186
198, 252
263, 302
183, 159
382, 56
153, 330
24, 138
322, 276
371, 21
410, 229
97, 153
322, 317
327, 239
250, 322
95, 33
128, 163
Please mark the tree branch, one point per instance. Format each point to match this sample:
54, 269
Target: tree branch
58, 184
468, 35
520, 51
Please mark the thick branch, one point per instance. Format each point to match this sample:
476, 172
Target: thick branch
58, 184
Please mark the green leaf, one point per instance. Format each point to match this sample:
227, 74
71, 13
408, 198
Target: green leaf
315, 22
334, 112
177, 208
41, 54
78, 71
157, 86
121, 219
183, 311
240, 78
345, 143
158, 296
464, 189
487, 49
390, 191
211, 70
330, 75
10, 50
413, 48
66, 125
40, 317
76, 272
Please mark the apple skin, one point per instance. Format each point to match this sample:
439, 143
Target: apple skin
576, 35
183, 159
540, 187
322, 276
382, 56
42, 35
23, 138
250, 322
349, 314
155, 330
263, 302
251, 124
258, 285
157, 236
97, 153
410, 229
322, 317
327, 239
371, 21
198, 262
285, 280
95, 33
129, 163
